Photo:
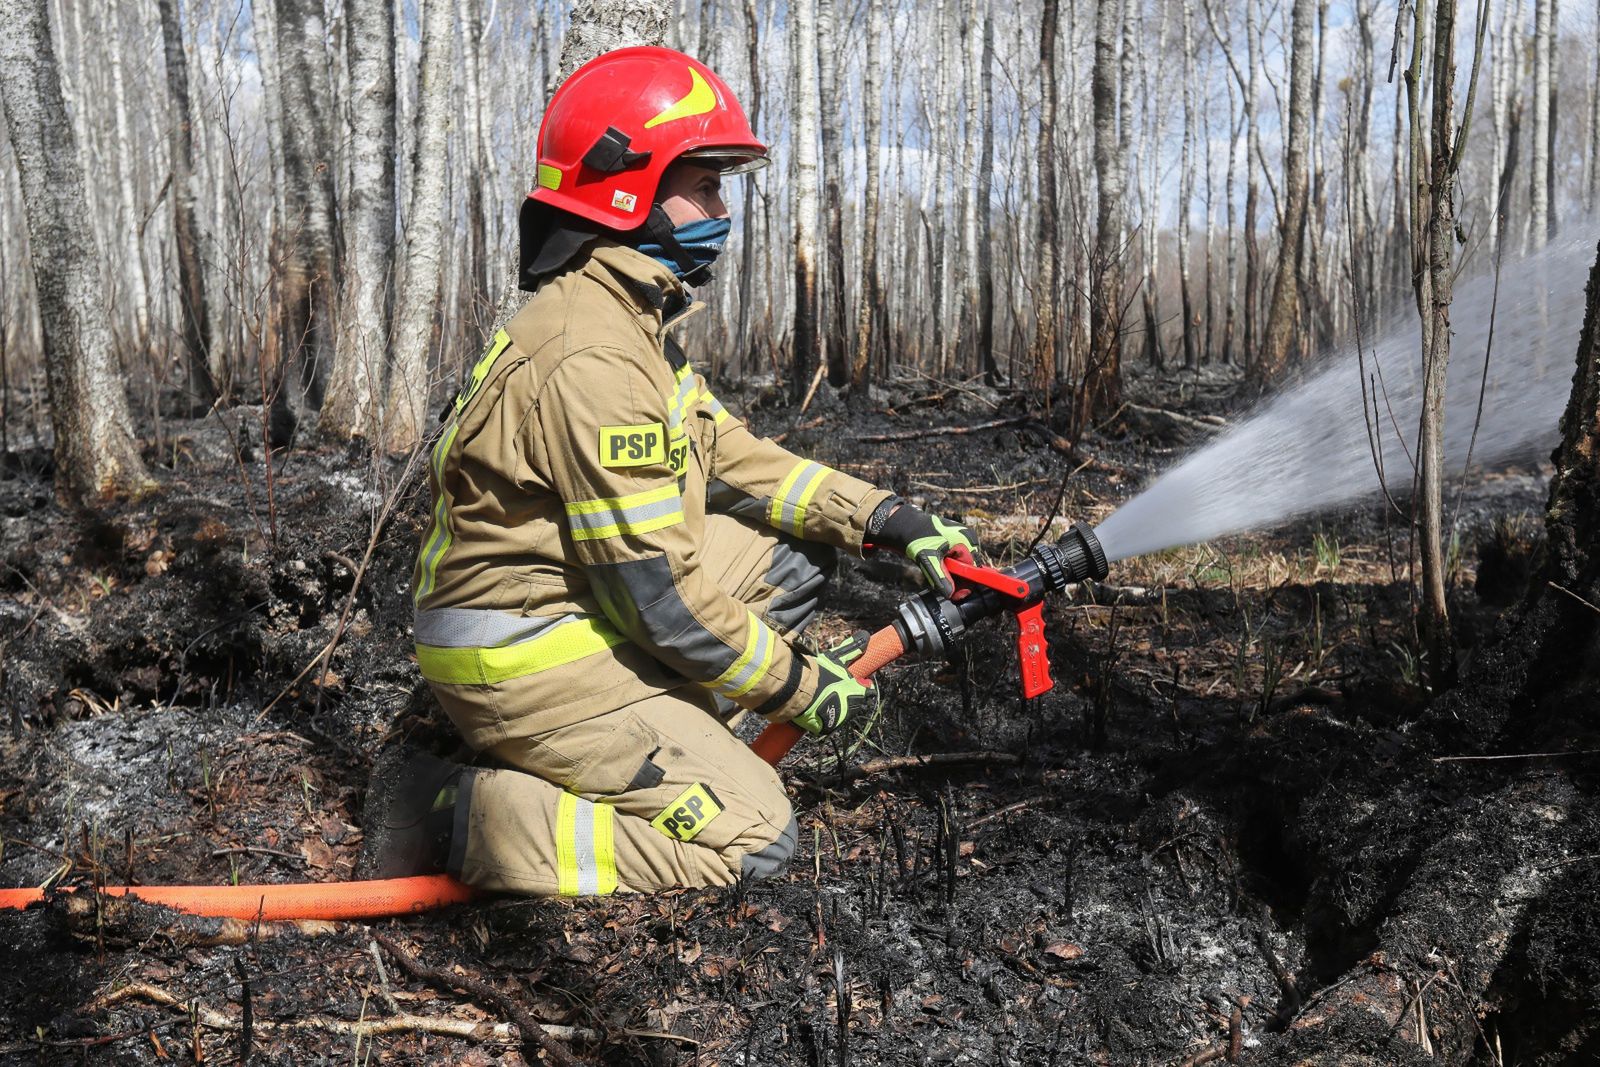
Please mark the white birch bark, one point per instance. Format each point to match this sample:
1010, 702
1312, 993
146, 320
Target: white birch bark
803, 110
94, 447
406, 407
362, 344
1539, 203
132, 268
1592, 186
870, 295
605, 25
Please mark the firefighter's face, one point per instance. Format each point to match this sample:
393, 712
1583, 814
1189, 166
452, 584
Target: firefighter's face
689, 193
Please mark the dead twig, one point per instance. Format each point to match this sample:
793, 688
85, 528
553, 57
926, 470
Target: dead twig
809, 424
1000, 813
943, 431
257, 850
1516, 755
1210, 1055
212, 1019
535, 1036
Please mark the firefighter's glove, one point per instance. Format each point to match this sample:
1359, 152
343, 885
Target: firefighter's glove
926, 540
838, 695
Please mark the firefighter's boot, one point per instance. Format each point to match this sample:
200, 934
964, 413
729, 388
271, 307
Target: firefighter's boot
410, 815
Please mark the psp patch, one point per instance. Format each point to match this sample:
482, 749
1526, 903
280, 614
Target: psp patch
633, 446
689, 813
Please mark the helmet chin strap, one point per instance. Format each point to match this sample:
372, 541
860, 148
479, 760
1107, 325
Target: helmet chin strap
659, 229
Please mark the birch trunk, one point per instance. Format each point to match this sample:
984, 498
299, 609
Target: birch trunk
1539, 205
830, 294
406, 407
605, 25
309, 278
201, 388
95, 451
745, 352
1592, 191
1048, 294
1102, 385
985, 214
972, 183
803, 110
1284, 308
1191, 356
869, 304
133, 267
349, 409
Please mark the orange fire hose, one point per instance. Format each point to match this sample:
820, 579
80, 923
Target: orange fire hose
394, 896
305, 900
883, 648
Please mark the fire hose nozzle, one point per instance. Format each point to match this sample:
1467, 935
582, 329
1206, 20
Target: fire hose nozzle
1076, 557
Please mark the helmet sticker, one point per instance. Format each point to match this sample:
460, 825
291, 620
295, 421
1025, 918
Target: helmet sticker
624, 201
549, 177
699, 101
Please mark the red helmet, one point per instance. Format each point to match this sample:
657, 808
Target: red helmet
622, 119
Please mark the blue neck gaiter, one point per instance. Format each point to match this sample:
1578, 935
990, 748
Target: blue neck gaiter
702, 239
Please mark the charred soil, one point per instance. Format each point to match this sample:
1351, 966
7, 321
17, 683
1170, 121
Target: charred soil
1238, 829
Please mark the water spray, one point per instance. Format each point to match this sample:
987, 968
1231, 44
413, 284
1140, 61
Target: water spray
1313, 447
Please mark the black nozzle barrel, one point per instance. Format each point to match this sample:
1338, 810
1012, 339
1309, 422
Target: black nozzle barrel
1074, 558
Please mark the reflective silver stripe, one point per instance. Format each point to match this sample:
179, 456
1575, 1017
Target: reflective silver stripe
583, 850
611, 518
760, 660
479, 627
686, 391
789, 504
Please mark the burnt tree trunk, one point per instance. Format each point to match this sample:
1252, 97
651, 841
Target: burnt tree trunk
1468, 935
94, 447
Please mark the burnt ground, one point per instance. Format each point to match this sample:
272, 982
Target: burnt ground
1231, 804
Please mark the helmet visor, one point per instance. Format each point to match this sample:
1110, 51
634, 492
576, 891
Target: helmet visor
728, 160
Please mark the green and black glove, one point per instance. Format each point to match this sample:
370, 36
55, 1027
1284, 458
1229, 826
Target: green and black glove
925, 539
838, 695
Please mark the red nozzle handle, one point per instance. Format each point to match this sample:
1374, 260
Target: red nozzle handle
883, 648
1033, 652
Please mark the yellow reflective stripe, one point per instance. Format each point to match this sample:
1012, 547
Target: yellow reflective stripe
438, 540
775, 515
805, 500
605, 854
566, 845
480, 370
617, 529
484, 666
586, 861
621, 503
759, 641
639, 513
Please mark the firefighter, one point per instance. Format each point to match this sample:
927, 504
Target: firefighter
614, 562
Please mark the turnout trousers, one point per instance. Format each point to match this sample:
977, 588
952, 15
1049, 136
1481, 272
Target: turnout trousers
609, 774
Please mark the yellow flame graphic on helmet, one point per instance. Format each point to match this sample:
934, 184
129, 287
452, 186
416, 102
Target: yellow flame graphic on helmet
699, 101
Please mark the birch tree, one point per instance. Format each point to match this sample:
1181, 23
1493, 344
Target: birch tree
362, 346
803, 109
309, 269
1285, 304
1048, 296
869, 304
830, 293
202, 389
1434, 171
127, 163
406, 407
600, 26
94, 446
1539, 187
1102, 386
